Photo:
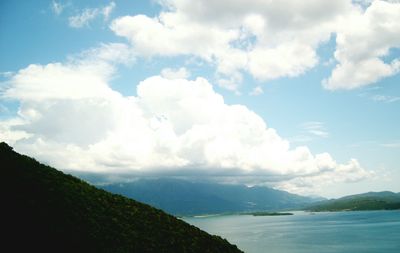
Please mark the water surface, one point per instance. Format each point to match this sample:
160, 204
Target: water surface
334, 232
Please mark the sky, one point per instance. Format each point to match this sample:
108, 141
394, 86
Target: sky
302, 96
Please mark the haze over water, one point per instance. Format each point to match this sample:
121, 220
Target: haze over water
336, 232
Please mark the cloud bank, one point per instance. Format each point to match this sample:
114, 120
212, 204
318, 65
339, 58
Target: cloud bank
270, 39
70, 118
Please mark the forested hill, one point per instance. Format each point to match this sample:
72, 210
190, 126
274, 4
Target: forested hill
367, 201
46, 210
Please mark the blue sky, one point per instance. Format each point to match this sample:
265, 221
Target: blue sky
308, 82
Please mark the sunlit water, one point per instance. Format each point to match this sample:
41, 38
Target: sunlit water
337, 232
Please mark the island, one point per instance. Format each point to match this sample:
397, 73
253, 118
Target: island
267, 214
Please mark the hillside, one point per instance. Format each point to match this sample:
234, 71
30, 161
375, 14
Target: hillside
182, 197
367, 201
46, 210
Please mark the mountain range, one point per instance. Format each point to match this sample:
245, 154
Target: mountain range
182, 197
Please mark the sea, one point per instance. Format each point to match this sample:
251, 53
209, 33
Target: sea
307, 232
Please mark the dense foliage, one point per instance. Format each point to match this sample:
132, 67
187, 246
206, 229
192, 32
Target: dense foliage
360, 202
47, 210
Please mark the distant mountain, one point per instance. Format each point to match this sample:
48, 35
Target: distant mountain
44, 210
182, 197
367, 201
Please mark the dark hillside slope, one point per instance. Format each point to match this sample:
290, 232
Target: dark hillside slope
46, 210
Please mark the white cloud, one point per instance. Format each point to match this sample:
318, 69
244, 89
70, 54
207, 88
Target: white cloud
92, 67
230, 82
9, 134
57, 7
344, 173
6, 74
395, 144
181, 73
70, 118
89, 14
105, 53
363, 39
160, 36
291, 59
271, 40
315, 128
256, 91
268, 40
310, 131
106, 11
58, 81
83, 18
384, 98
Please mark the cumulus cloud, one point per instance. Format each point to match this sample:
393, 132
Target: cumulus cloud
362, 42
271, 40
37, 82
83, 76
87, 15
9, 133
69, 117
175, 73
268, 40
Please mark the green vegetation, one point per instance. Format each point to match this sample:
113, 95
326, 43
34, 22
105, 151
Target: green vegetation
47, 210
360, 202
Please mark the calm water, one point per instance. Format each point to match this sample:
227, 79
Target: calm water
344, 232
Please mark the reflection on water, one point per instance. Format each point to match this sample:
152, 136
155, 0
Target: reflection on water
338, 232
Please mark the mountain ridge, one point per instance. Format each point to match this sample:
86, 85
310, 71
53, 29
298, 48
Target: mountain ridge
48, 211
384, 200
182, 197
